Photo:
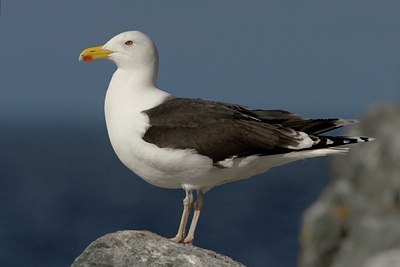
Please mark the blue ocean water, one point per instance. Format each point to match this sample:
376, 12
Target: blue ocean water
62, 187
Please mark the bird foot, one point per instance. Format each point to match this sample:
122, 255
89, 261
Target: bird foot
180, 239
188, 240
177, 239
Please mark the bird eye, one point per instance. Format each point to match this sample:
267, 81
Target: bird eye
130, 42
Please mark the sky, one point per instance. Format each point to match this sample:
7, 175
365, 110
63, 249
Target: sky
319, 58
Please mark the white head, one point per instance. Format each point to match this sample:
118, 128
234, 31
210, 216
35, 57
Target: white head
132, 50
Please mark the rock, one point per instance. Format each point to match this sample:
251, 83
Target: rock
356, 221
143, 248
390, 258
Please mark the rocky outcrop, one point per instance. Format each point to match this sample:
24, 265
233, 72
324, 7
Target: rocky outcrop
356, 221
143, 248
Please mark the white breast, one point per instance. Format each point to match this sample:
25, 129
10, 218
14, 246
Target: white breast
126, 125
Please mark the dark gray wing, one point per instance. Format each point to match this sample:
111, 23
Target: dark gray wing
217, 130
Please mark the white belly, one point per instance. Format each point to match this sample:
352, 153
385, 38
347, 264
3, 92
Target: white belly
165, 167
158, 166
126, 125
171, 168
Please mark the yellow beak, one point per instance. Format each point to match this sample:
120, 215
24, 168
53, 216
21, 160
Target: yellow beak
93, 53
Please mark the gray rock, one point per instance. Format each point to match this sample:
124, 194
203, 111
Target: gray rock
356, 221
389, 258
143, 248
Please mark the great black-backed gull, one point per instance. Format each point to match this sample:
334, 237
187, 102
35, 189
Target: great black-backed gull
196, 144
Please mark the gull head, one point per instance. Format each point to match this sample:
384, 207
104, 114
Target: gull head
128, 50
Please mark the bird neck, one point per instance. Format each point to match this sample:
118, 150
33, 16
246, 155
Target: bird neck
143, 77
134, 90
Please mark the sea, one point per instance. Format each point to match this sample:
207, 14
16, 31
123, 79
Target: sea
62, 187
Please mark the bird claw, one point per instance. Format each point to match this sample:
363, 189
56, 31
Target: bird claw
188, 240
177, 239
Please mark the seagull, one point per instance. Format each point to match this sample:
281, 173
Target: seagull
196, 144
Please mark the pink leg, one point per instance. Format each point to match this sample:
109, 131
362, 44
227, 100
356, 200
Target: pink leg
187, 205
197, 210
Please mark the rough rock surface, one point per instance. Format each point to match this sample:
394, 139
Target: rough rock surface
356, 221
142, 248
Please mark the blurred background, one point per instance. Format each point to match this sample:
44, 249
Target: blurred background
61, 185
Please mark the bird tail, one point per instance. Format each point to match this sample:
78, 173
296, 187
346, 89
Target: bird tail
334, 141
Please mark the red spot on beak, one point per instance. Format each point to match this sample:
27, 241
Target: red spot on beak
88, 58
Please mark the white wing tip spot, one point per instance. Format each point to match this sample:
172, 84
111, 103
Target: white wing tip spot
305, 142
